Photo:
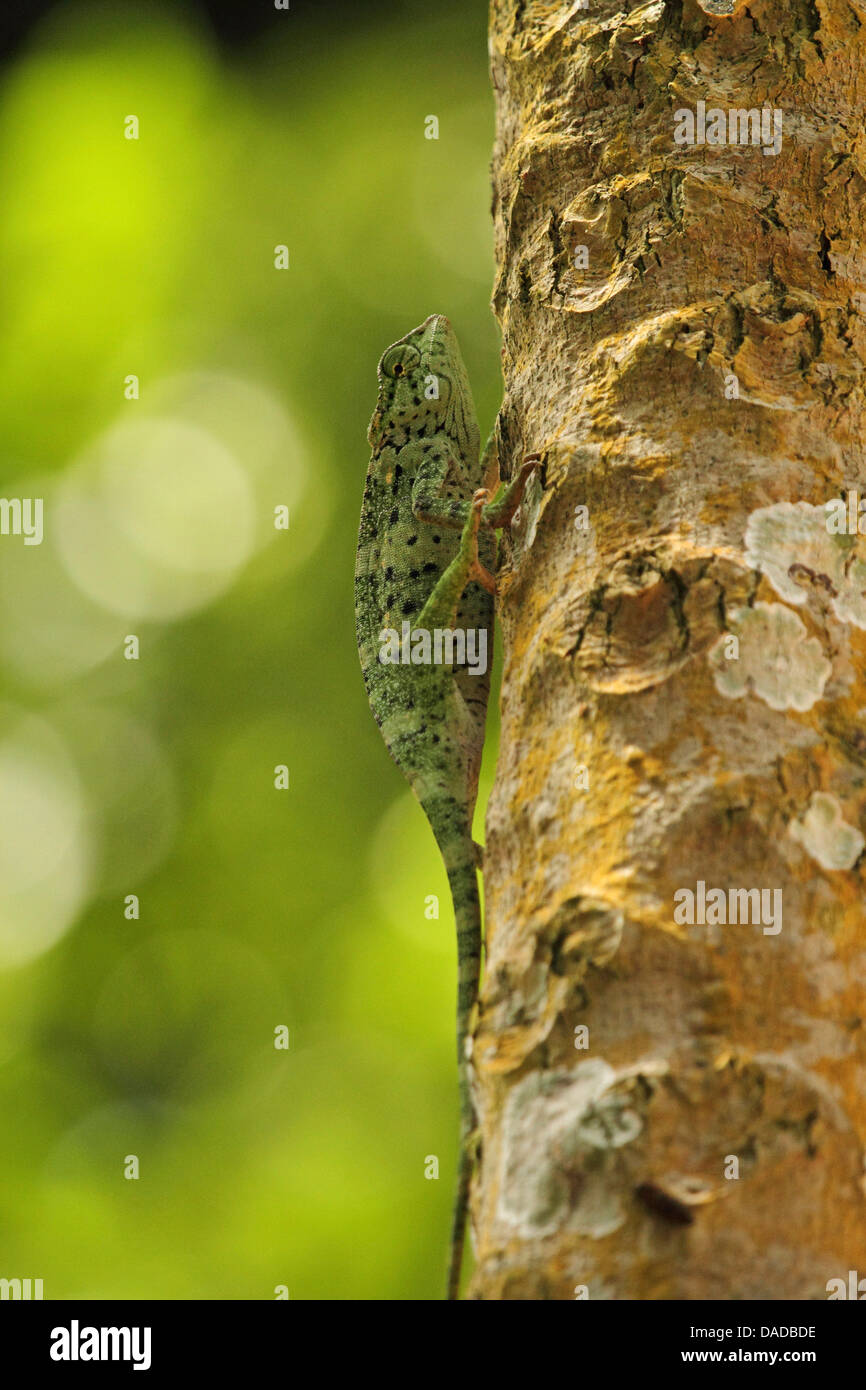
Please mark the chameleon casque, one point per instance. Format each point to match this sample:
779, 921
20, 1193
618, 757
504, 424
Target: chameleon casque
425, 552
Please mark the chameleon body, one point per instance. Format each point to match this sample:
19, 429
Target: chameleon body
425, 550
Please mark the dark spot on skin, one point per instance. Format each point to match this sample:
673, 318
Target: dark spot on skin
394, 517
408, 609
413, 574
389, 601
389, 572
410, 540
436, 540
436, 738
430, 568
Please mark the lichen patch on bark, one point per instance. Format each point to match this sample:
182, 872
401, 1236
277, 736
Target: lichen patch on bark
776, 659
827, 836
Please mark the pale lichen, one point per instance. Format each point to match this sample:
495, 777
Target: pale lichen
778, 660
790, 543
826, 835
579, 1113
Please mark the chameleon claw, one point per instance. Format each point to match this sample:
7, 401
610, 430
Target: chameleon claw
527, 468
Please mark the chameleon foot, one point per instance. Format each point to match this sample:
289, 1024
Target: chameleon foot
502, 512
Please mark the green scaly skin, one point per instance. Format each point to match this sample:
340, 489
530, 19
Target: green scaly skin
425, 550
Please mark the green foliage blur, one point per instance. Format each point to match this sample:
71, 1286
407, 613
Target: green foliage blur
154, 1036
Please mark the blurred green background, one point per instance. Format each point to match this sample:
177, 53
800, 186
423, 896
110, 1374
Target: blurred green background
259, 907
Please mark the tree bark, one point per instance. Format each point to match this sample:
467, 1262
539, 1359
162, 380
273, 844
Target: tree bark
683, 700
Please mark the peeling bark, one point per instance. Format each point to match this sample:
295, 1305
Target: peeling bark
695, 378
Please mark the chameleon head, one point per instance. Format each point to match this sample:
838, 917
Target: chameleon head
421, 379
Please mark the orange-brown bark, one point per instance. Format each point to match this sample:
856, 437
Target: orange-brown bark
695, 378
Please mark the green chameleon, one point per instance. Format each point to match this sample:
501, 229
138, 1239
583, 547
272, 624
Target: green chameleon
425, 552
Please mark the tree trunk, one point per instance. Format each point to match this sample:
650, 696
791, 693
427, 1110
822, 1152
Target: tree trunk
670, 1067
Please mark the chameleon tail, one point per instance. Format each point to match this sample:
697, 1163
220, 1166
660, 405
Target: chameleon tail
459, 854
461, 1210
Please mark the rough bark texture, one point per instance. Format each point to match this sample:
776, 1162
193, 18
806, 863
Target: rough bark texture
606, 1166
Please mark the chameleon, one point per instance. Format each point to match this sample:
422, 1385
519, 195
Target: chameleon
426, 552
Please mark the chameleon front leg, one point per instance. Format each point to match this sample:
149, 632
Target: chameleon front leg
441, 607
430, 502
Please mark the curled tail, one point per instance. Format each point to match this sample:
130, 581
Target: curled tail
460, 862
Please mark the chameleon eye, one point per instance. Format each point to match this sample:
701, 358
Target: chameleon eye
400, 359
